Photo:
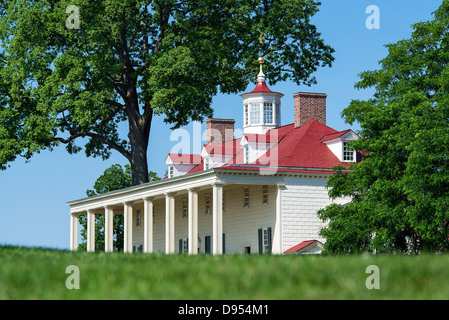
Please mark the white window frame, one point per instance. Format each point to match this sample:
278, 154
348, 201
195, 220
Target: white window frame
171, 171
265, 194
184, 207
255, 113
207, 204
348, 154
278, 114
265, 241
246, 115
246, 149
138, 222
246, 197
268, 117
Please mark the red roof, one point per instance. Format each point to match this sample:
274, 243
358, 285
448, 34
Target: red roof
230, 147
295, 150
301, 147
184, 158
261, 87
301, 246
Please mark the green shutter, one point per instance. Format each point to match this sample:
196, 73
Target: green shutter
207, 243
260, 232
224, 243
180, 245
269, 240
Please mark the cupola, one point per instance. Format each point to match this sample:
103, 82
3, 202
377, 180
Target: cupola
261, 107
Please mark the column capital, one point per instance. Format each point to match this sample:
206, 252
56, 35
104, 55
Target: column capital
281, 186
127, 203
108, 207
217, 184
169, 194
195, 190
150, 199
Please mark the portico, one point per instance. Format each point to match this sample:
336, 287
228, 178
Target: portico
166, 213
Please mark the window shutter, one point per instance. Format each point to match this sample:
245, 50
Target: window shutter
180, 245
269, 240
224, 241
260, 232
207, 244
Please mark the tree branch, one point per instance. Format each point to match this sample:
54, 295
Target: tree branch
94, 135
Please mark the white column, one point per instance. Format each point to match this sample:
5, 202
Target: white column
108, 229
128, 227
90, 231
193, 221
217, 218
277, 236
169, 223
147, 225
74, 231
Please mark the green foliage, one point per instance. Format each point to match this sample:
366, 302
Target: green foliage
114, 178
400, 191
132, 59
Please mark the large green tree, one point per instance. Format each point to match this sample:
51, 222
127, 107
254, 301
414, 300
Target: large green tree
400, 190
132, 59
113, 178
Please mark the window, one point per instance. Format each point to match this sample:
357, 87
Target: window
255, 113
170, 171
223, 202
265, 240
138, 218
278, 114
268, 112
265, 194
184, 207
183, 245
246, 114
246, 153
246, 197
207, 204
206, 163
348, 153
207, 244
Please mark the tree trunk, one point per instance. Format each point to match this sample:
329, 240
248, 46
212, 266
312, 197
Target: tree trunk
139, 161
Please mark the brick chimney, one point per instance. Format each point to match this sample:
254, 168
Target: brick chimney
220, 130
309, 106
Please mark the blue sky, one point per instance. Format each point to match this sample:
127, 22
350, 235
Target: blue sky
33, 196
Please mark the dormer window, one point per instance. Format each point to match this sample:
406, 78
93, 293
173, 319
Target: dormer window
348, 153
339, 144
246, 147
170, 171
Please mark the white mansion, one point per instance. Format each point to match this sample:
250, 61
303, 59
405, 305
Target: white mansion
258, 193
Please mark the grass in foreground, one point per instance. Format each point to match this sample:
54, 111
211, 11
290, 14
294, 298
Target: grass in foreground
27, 273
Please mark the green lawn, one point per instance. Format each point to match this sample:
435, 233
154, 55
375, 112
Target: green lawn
27, 273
